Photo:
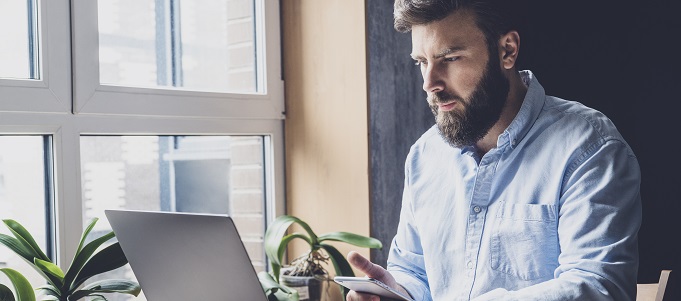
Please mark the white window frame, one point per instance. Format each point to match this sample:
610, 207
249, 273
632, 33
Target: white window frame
52, 91
110, 110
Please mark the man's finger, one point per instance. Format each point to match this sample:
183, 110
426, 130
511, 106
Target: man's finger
355, 296
367, 267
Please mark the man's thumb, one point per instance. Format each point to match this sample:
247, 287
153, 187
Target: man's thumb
367, 267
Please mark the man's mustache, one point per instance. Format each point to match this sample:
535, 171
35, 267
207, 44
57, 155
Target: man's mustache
442, 97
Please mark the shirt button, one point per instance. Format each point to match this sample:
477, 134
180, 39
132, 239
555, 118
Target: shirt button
477, 209
469, 264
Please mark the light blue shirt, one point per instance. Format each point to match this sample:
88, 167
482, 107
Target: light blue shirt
551, 213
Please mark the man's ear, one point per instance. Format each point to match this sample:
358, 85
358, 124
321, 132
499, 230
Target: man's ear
509, 46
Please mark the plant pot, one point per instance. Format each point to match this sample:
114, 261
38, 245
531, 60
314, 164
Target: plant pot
309, 288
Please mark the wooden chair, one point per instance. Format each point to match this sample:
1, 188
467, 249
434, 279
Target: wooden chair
653, 291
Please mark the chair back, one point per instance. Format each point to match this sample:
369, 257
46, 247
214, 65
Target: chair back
653, 291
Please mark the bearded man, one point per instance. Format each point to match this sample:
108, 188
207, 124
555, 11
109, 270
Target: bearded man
513, 194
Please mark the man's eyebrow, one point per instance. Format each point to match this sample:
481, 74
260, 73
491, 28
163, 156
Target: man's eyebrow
449, 50
440, 54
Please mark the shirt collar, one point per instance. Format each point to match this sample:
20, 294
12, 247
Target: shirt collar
528, 113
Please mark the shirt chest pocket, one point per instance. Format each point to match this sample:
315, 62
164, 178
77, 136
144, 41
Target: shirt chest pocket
524, 241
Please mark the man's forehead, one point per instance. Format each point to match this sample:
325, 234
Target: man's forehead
455, 32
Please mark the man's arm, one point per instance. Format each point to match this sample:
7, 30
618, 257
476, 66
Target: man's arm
405, 261
599, 218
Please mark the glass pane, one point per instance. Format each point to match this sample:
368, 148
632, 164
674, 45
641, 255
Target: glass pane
127, 42
22, 197
17, 34
208, 174
204, 45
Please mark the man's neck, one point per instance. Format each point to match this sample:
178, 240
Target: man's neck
516, 94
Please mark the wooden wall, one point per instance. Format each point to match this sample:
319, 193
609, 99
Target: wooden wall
326, 112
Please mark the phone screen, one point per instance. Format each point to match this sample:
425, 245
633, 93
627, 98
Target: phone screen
371, 286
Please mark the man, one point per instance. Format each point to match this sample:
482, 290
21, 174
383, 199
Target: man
513, 195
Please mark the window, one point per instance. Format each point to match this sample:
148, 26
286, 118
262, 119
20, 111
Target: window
23, 192
141, 104
215, 174
18, 20
187, 46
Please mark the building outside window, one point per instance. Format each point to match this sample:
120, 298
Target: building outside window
138, 104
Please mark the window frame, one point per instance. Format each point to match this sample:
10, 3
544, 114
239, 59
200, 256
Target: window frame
185, 113
92, 97
51, 92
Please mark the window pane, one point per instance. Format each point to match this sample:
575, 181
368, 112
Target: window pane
218, 49
127, 42
209, 174
17, 57
205, 45
22, 197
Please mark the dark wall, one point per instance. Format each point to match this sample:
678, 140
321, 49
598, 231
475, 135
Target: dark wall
619, 57
398, 115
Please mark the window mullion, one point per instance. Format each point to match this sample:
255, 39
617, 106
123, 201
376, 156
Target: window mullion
68, 206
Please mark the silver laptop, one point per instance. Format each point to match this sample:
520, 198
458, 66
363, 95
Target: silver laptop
184, 256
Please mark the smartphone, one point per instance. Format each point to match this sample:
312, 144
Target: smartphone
371, 286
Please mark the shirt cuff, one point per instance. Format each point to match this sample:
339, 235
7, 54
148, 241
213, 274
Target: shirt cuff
414, 287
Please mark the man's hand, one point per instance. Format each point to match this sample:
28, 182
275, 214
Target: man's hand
372, 271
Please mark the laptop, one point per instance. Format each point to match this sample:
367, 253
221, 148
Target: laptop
186, 256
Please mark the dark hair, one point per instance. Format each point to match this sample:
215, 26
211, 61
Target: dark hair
494, 17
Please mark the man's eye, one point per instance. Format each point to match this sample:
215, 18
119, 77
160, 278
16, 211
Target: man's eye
420, 63
452, 59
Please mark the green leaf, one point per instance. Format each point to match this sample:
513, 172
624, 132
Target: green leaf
20, 249
353, 239
85, 234
107, 286
276, 291
340, 264
55, 281
25, 238
16, 247
22, 287
273, 239
108, 259
6, 294
51, 269
49, 290
288, 238
269, 285
98, 298
282, 296
83, 256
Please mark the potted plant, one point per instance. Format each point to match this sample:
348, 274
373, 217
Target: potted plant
66, 286
306, 273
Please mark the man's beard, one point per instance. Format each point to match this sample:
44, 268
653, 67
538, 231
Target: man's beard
480, 111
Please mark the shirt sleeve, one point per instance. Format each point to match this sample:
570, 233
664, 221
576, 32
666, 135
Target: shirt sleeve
405, 260
599, 219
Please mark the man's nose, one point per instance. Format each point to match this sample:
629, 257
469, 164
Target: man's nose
432, 79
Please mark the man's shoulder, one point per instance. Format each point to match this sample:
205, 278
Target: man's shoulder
576, 117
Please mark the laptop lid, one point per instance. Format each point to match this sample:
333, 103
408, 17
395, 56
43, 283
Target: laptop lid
186, 256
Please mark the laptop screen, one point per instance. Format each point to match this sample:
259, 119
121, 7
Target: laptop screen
186, 256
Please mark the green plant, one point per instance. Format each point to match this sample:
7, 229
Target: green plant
21, 286
274, 290
319, 253
86, 264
